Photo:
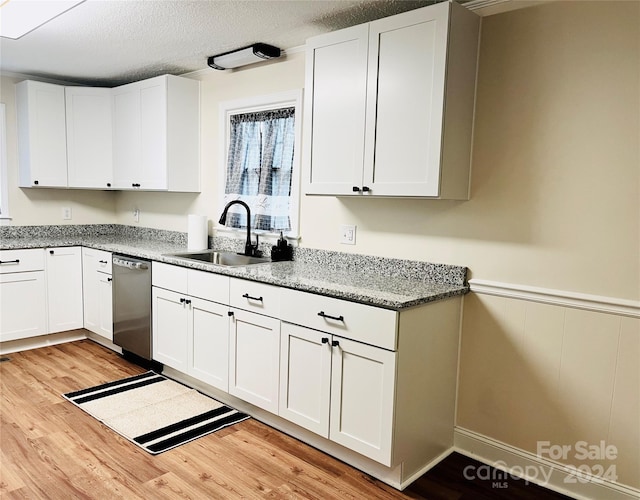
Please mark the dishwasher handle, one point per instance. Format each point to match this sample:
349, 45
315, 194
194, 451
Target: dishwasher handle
130, 264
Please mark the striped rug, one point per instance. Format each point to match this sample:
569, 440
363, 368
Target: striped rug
154, 412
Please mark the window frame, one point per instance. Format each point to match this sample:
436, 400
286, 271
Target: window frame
4, 188
278, 100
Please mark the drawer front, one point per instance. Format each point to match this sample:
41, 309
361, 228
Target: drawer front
208, 286
169, 277
16, 261
255, 297
368, 324
103, 261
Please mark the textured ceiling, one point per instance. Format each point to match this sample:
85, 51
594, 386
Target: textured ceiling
111, 42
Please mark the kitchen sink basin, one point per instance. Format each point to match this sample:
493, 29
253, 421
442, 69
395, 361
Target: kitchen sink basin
227, 259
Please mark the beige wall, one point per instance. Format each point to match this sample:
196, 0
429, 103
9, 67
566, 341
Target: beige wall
44, 206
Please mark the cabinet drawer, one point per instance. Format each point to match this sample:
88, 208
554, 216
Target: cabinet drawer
103, 261
208, 286
16, 261
169, 277
368, 324
255, 297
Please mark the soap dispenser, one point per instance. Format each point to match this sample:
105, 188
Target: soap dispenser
281, 250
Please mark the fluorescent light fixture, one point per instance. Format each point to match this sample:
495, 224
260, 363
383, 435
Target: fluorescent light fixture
19, 17
241, 57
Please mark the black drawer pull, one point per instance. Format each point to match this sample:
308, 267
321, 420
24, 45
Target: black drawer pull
249, 297
325, 340
337, 318
335, 343
17, 261
51, 252
102, 261
355, 189
230, 313
365, 189
182, 300
187, 301
109, 279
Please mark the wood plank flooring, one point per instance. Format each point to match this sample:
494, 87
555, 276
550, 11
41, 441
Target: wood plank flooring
50, 449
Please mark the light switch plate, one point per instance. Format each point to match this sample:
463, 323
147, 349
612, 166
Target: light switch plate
347, 234
66, 213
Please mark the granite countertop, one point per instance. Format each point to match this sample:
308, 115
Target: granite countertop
368, 280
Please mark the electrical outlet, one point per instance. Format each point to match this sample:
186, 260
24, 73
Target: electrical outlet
136, 215
66, 213
347, 234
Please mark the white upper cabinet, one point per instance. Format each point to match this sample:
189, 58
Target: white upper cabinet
390, 106
89, 144
42, 143
144, 135
156, 135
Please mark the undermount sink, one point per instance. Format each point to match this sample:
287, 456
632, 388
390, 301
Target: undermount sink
227, 259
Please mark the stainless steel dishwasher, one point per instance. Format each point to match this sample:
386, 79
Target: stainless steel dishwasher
132, 305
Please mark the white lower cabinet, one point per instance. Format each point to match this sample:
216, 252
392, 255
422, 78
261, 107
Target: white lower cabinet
170, 328
97, 292
338, 388
254, 359
64, 288
190, 333
23, 302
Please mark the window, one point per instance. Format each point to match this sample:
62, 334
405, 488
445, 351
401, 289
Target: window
4, 199
260, 163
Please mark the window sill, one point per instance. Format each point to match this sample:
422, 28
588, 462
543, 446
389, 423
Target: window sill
265, 236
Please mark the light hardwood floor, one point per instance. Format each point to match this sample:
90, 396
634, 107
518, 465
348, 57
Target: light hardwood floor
50, 449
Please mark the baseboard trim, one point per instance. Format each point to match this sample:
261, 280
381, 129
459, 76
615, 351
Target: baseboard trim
596, 303
530, 467
42, 341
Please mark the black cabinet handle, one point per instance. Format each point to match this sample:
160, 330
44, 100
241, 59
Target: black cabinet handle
187, 301
230, 313
337, 318
17, 261
182, 300
135, 185
325, 340
355, 189
51, 252
109, 279
102, 261
249, 297
365, 189
335, 343
35, 182
108, 184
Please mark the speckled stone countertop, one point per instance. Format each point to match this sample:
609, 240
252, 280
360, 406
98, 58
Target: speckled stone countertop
383, 282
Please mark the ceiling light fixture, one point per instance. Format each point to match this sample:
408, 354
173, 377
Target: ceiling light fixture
257, 52
19, 17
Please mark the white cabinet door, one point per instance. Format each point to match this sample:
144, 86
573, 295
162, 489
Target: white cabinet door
97, 292
42, 143
64, 288
209, 343
362, 398
23, 305
405, 102
89, 137
126, 135
336, 75
152, 172
170, 328
105, 305
254, 359
305, 374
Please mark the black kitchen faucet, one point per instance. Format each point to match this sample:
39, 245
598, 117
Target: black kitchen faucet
250, 250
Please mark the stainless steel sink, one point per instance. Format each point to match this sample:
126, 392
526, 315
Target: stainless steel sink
227, 259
